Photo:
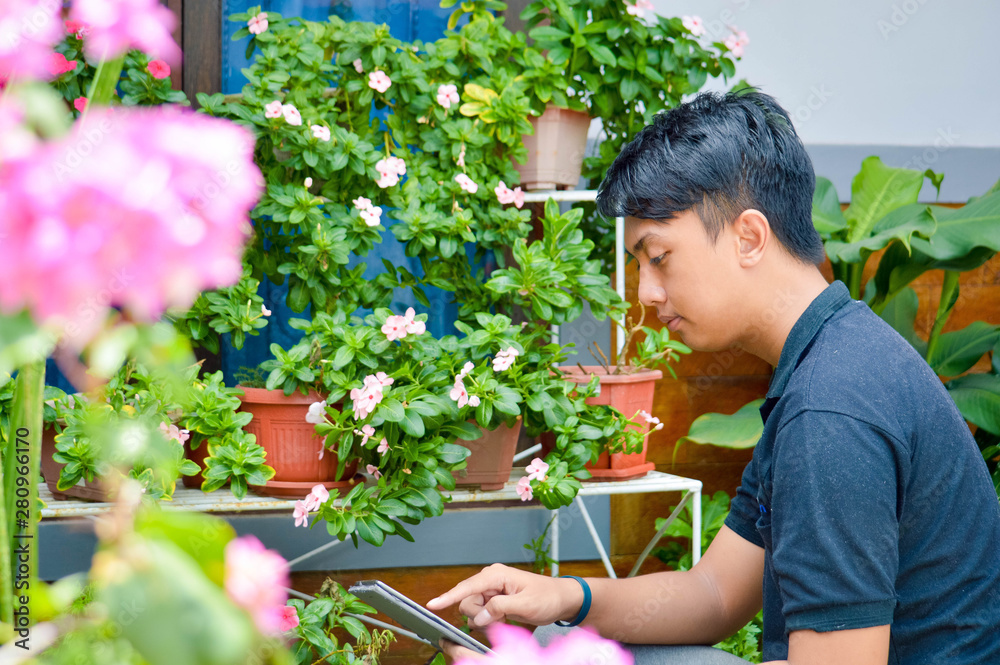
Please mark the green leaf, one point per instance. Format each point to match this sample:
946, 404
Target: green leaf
901, 224
876, 191
391, 410
956, 352
978, 398
602, 54
370, 532
450, 453
547, 33
740, 430
901, 313
412, 423
826, 213
960, 231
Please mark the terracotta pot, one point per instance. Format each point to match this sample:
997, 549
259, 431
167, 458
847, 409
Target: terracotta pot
198, 456
492, 458
291, 444
628, 393
85, 489
555, 150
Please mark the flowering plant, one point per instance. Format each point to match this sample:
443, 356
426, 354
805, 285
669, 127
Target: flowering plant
513, 645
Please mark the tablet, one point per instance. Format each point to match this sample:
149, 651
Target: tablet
412, 615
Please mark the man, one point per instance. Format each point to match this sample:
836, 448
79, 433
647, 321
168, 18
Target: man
866, 523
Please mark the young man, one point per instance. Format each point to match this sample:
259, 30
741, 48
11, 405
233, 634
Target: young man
866, 523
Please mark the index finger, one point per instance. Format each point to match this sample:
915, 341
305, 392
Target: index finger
488, 579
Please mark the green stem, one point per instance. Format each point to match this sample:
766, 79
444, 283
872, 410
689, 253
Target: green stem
24, 441
949, 295
102, 89
854, 273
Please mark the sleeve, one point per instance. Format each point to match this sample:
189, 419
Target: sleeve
743, 510
834, 523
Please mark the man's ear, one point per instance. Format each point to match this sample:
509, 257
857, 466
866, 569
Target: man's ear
753, 232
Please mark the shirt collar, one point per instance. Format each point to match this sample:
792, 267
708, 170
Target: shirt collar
826, 304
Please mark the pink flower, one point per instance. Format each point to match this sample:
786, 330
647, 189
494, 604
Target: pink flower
292, 115
447, 95
513, 645
379, 80
504, 359
171, 432
316, 498
316, 413
459, 393
694, 25
255, 579
736, 42
366, 433
372, 216
518, 197
383, 447
473, 400
413, 327
468, 367
358, 67
145, 218
390, 168
77, 28
289, 618
504, 194
461, 157
373, 470
394, 327
59, 65
523, 489
16, 140
80, 104
367, 398
320, 132
273, 110
466, 183
361, 203
536, 470
387, 180
382, 378
29, 30
257, 24
119, 25
639, 8
301, 513
158, 69
264, 311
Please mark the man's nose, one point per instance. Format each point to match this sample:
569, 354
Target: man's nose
650, 293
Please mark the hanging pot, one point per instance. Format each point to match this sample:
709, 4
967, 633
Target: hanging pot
555, 150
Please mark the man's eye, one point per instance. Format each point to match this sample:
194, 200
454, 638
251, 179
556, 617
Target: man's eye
656, 261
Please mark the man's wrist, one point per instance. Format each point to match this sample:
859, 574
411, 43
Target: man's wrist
576, 599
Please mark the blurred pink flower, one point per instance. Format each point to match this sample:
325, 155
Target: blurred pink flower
158, 69
273, 110
513, 645
736, 42
257, 24
16, 140
59, 65
140, 209
523, 488
255, 579
694, 25
301, 513
459, 393
264, 311
320, 132
536, 470
316, 498
292, 115
382, 378
379, 80
447, 95
289, 618
394, 327
518, 197
466, 183
504, 194
468, 367
366, 432
413, 327
29, 29
474, 400
390, 168
372, 216
172, 432
504, 359
383, 447
77, 28
373, 470
358, 67
80, 104
365, 400
639, 8
361, 203
119, 25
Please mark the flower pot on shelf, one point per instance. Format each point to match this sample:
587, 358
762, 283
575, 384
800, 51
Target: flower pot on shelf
198, 456
291, 444
555, 150
85, 489
628, 393
492, 458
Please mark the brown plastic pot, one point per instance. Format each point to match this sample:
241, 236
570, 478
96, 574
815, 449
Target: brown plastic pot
492, 458
85, 489
555, 150
291, 444
198, 456
628, 393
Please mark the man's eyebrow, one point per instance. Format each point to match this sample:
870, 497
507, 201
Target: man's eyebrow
640, 244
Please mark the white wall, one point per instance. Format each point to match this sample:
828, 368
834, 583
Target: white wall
870, 72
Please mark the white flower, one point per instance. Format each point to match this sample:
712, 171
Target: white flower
474, 400
466, 183
536, 470
358, 67
447, 95
264, 311
320, 132
317, 413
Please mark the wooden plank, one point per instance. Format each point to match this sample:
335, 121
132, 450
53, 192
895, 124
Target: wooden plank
177, 73
202, 47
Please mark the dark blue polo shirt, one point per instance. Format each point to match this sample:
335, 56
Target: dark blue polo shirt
870, 497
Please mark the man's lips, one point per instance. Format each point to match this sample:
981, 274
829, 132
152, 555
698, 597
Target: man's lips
672, 321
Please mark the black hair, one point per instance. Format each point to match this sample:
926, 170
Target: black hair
719, 154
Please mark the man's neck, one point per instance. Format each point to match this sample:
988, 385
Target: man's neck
779, 308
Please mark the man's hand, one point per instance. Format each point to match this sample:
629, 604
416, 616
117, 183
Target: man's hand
499, 593
457, 653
